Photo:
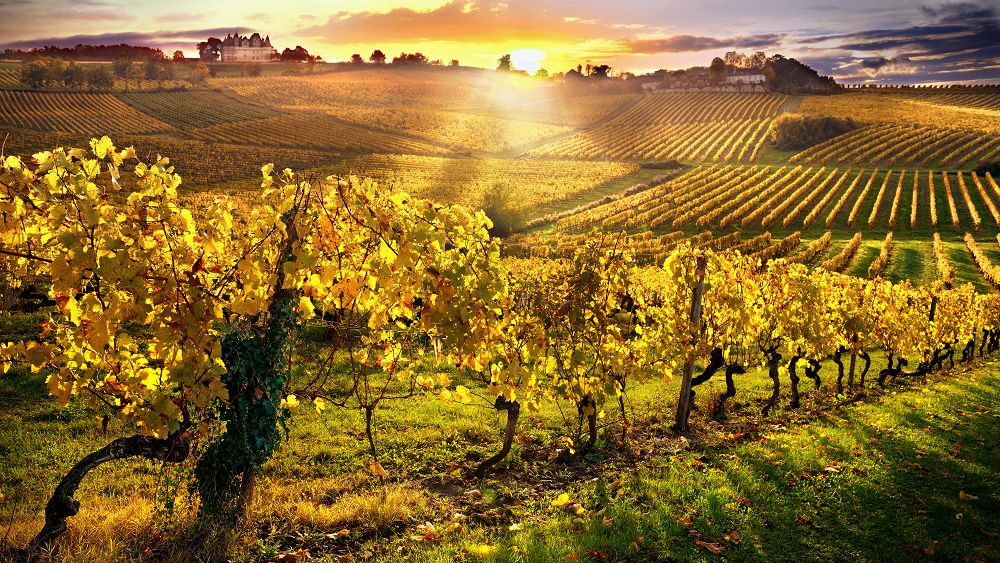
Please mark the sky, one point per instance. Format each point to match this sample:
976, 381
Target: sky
880, 41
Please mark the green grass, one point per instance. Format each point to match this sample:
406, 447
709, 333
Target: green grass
830, 481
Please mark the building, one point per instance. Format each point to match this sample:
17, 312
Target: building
237, 49
745, 75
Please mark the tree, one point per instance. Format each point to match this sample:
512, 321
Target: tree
377, 57
34, 73
251, 69
453, 62
200, 73
410, 59
298, 54
503, 63
219, 305
600, 71
168, 70
717, 71
178, 56
356, 59
541, 73
757, 60
209, 50
151, 69
75, 75
121, 67
99, 78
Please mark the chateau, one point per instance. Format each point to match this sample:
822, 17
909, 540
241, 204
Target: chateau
244, 49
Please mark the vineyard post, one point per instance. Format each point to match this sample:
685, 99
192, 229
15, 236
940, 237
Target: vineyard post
684, 401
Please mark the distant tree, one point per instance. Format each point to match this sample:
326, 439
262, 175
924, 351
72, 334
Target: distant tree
74, 75
409, 59
121, 65
135, 72
168, 70
178, 56
453, 62
298, 54
559, 76
34, 73
99, 78
738, 60
541, 73
503, 63
356, 59
600, 71
210, 50
757, 60
579, 69
717, 70
436, 62
151, 69
251, 69
200, 73
590, 67
377, 56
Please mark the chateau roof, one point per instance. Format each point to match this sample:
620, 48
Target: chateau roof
244, 41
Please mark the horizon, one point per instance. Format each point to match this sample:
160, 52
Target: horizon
881, 42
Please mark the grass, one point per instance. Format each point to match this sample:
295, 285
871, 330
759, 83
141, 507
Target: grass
833, 480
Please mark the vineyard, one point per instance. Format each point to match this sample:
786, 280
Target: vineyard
570, 111
695, 346
902, 145
195, 109
312, 133
457, 131
78, 113
545, 333
902, 110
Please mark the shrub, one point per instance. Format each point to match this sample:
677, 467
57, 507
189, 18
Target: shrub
990, 166
507, 216
794, 132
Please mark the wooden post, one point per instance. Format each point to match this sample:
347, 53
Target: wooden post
684, 402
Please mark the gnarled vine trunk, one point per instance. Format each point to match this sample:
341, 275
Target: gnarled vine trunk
773, 357
794, 377
868, 364
62, 505
840, 369
513, 409
715, 363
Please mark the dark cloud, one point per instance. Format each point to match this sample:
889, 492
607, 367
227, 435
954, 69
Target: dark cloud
956, 28
152, 39
959, 40
456, 21
882, 65
692, 43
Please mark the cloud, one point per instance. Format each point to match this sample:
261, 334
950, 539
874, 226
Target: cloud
692, 43
457, 21
955, 28
882, 65
132, 38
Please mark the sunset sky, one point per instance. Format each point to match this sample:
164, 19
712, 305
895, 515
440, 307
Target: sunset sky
881, 40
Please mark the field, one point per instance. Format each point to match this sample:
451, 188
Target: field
901, 215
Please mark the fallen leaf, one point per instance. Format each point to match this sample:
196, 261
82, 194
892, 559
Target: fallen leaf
922, 512
514, 527
711, 546
963, 496
991, 535
561, 501
608, 522
473, 493
378, 470
831, 469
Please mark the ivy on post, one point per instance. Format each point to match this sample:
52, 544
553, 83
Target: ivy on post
684, 402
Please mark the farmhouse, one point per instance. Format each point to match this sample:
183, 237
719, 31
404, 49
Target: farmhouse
244, 49
745, 75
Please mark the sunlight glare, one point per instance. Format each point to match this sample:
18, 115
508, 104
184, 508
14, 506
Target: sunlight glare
527, 59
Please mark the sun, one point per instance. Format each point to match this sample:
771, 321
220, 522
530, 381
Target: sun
527, 59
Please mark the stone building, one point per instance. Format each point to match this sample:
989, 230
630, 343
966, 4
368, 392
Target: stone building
237, 49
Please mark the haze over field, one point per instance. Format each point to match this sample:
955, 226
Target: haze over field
880, 40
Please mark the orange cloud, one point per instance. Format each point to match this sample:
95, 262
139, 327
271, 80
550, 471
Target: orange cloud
457, 21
